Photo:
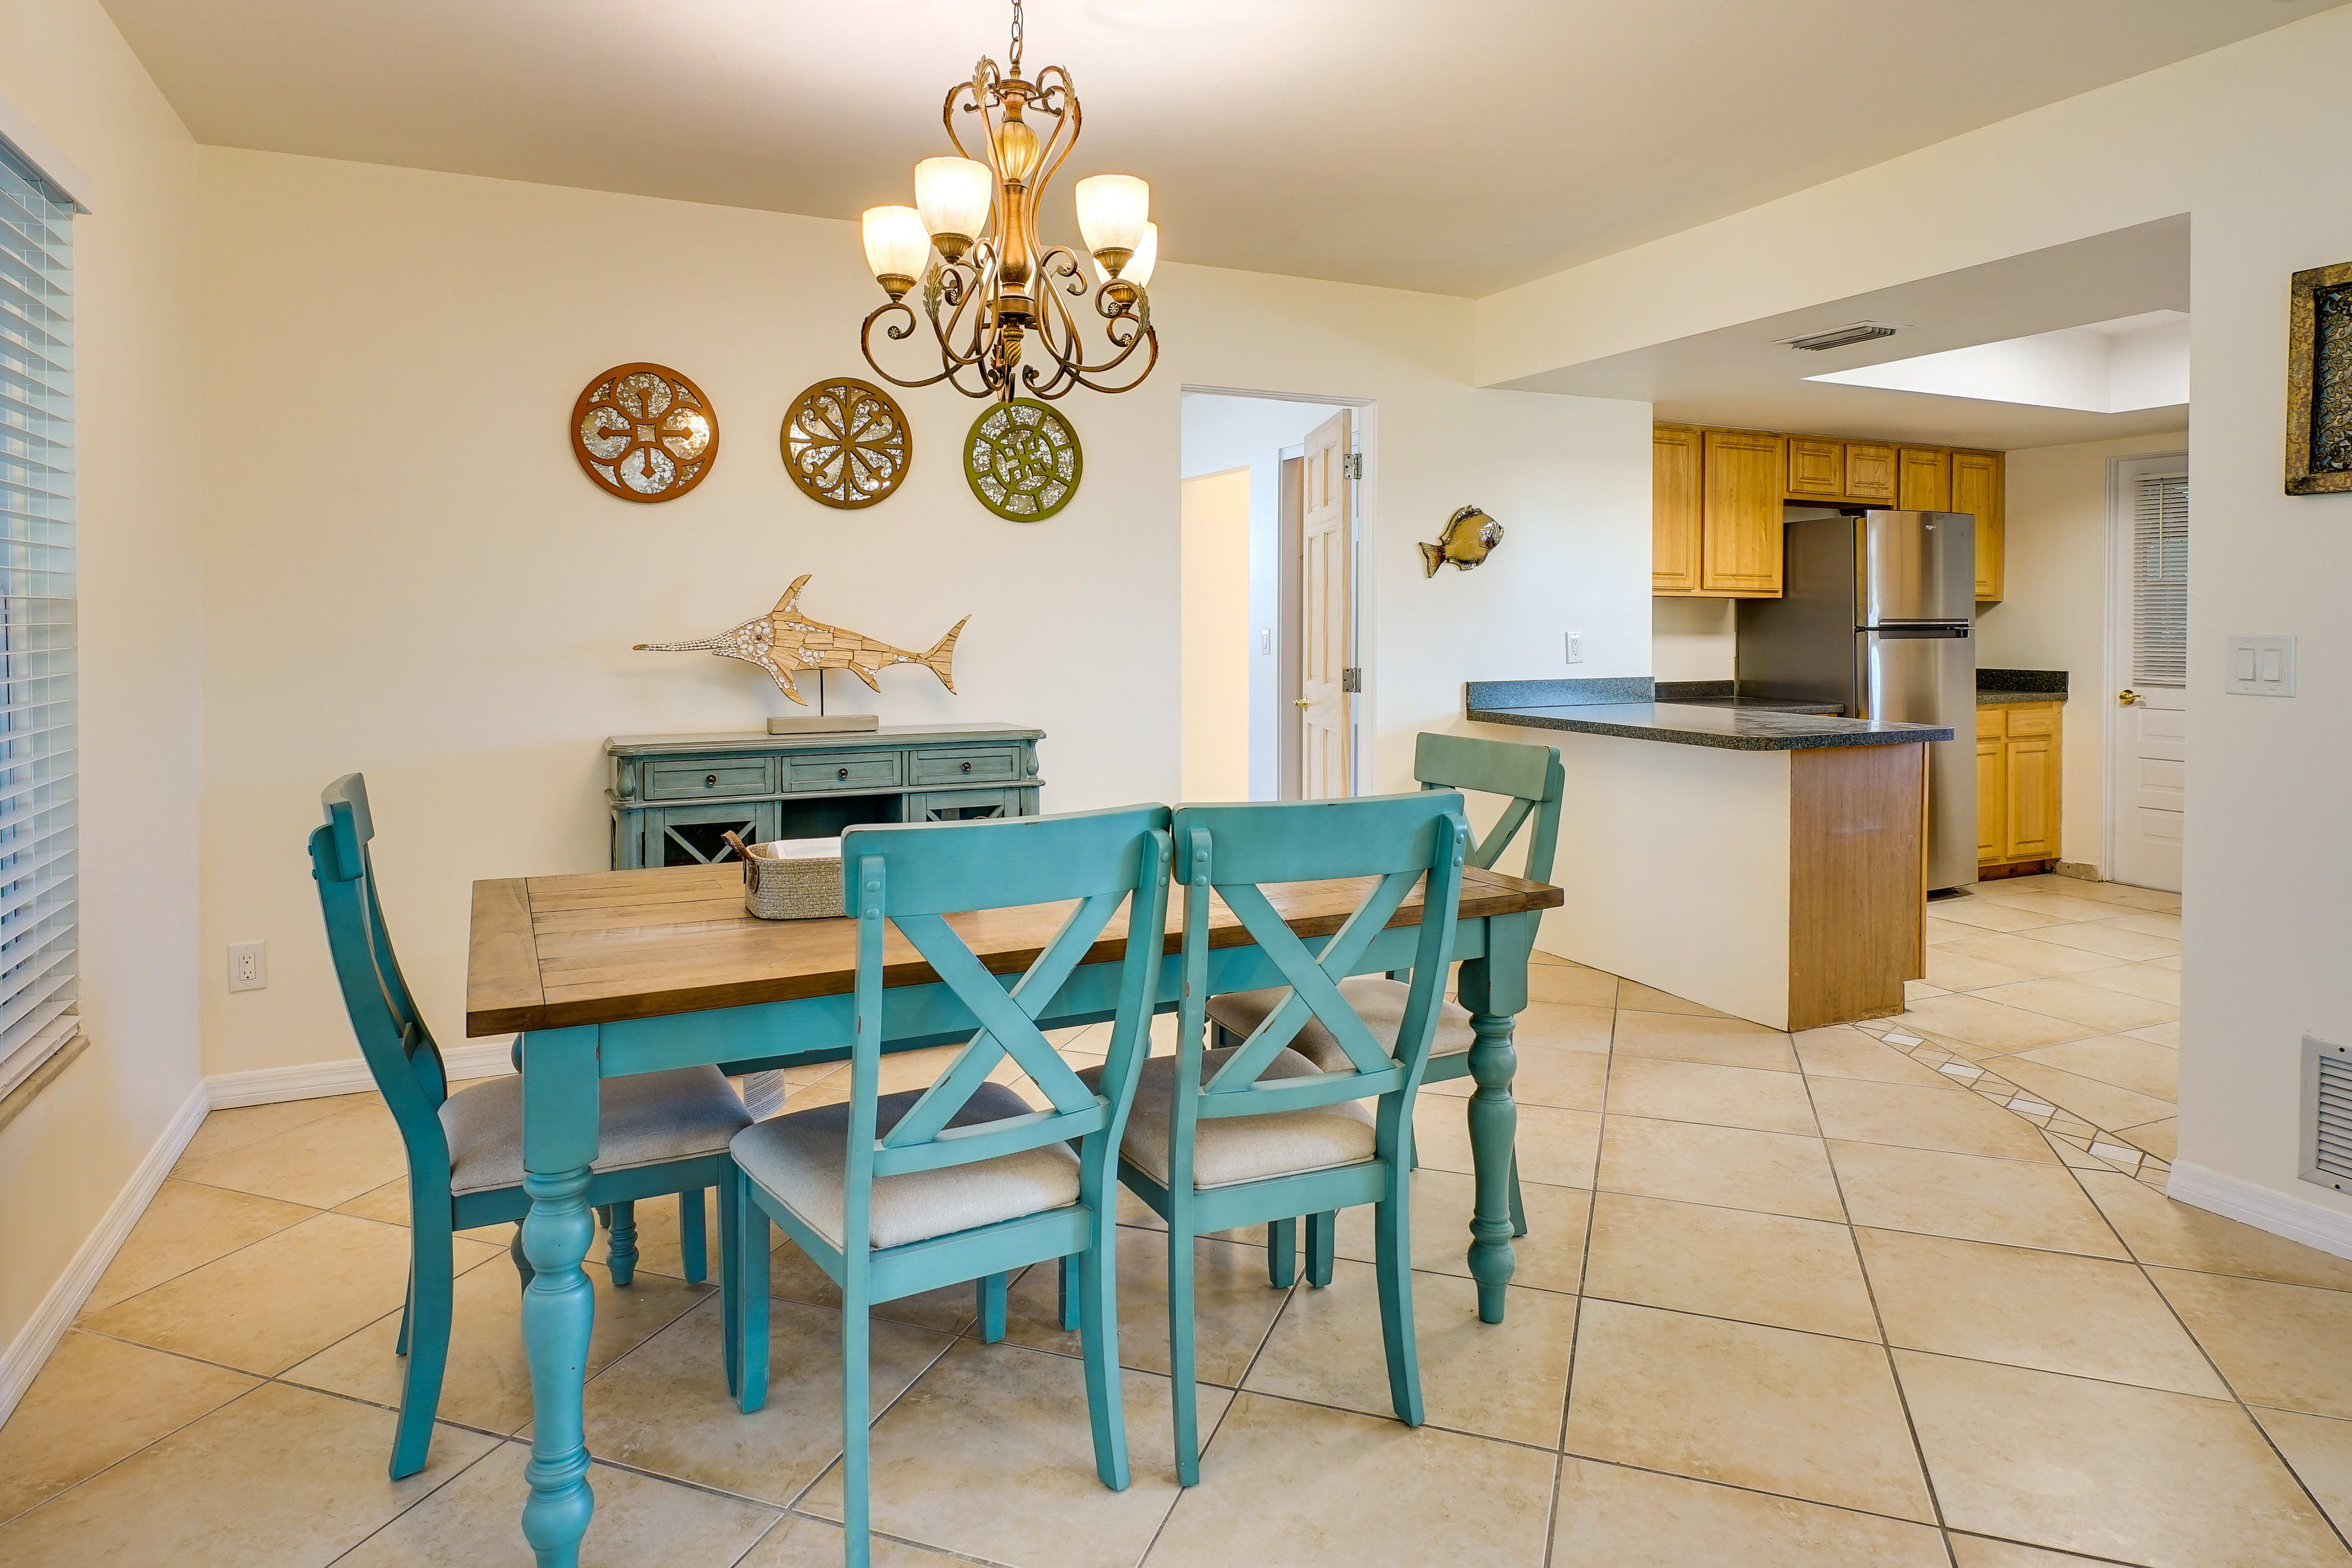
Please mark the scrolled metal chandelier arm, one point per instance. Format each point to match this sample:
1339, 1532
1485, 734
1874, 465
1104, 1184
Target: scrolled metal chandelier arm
1008, 300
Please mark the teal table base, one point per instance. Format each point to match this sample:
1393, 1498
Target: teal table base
562, 1069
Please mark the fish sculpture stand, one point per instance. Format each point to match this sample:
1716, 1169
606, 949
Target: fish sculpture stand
1468, 538
784, 642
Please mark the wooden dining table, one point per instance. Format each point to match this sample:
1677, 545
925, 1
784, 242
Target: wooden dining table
605, 973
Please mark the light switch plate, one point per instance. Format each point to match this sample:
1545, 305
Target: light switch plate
2260, 666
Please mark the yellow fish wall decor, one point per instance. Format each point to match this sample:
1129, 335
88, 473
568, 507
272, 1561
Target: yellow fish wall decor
1468, 537
784, 642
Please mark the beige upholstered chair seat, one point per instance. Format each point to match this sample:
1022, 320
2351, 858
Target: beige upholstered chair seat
1230, 1148
648, 1118
800, 1160
1377, 1001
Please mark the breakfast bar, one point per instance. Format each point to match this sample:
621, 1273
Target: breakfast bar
1761, 862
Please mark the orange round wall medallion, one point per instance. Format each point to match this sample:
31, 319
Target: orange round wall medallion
645, 433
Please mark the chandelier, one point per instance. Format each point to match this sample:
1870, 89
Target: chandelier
1000, 304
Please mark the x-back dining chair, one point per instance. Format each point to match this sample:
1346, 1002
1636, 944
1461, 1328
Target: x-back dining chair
895, 1194
662, 1132
1255, 1132
1530, 780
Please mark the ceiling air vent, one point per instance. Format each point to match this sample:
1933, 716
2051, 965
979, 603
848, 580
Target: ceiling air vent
2327, 1114
1840, 337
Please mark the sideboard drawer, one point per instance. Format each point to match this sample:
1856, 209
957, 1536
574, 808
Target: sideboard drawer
966, 765
843, 770
734, 775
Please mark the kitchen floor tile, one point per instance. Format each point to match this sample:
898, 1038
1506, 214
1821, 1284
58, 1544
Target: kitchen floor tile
1611, 1517
1578, 987
1843, 1051
1953, 969
186, 1225
1764, 1269
1568, 1078
2102, 1104
2073, 1002
98, 1401
2126, 1063
1970, 1198
1725, 1042
1991, 1025
1555, 1146
2320, 1452
2130, 946
1550, 1257
1233, 1306
2158, 980
2109, 1470
319, 1164
1943, 1116
2280, 1345
1647, 999
2084, 1316
2177, 1236
1803, 1415
1773, 1172
1549, 1025
1669, 1090
2031, 955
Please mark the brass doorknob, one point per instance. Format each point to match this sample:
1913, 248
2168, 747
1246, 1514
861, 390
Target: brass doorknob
2127, 697
1303, 703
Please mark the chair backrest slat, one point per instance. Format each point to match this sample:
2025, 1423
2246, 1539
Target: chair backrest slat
1531, 776
914, 877
1228, 854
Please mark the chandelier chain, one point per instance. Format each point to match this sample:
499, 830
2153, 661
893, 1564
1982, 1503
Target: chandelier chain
1016, 37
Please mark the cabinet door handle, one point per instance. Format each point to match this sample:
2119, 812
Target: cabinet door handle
711, 780
841, 773
967, 767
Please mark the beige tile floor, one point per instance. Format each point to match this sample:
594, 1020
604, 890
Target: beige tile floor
1783, 1302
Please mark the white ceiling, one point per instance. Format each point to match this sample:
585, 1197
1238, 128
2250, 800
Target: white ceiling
1743, 377
1459, 146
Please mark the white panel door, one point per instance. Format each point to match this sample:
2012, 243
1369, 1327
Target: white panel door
1326, 643
2150, 620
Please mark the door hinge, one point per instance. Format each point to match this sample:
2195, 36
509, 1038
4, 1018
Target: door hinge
1352, 679
1351, 465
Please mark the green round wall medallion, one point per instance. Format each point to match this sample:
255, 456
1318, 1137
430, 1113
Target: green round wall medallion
1022, 460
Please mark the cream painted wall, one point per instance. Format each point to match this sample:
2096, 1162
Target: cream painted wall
1693, 639
1215, 635
419, 582
2239, 139
2055, 522
63, 1160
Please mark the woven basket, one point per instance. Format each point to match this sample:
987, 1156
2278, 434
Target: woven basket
793, 878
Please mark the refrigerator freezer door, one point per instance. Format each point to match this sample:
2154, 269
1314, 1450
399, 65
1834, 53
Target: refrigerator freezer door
1915, 566
1927, 675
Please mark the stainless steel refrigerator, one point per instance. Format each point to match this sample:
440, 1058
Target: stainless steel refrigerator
1878, 613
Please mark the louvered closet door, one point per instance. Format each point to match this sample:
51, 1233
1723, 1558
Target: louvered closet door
37, 933
2151, 756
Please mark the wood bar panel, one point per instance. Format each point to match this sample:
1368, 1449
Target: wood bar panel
1856, 917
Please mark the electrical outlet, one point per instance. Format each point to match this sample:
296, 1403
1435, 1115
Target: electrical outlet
249, 966
1576, 648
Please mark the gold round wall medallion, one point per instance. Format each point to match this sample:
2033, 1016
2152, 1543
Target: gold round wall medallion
1022, 460
846, 442
645, 433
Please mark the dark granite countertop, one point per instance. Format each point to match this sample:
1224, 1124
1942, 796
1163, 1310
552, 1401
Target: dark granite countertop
1995, 686
1623, 707
1725, 694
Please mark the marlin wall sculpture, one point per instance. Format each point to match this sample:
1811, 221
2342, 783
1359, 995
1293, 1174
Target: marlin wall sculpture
784, 642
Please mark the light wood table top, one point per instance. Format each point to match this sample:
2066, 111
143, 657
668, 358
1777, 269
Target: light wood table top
598, 947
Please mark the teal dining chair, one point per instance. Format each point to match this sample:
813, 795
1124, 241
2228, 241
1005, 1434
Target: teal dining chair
895, 1194
1255, 1132
662, 1132
1530, 780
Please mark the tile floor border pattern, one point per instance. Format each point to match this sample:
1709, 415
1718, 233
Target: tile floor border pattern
1245, 1403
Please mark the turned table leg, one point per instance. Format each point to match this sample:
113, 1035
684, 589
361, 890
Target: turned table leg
1493, 987
559, 1307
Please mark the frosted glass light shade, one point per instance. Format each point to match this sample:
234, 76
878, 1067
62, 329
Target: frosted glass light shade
896, 242
1111, 211
1138, 269
952, 195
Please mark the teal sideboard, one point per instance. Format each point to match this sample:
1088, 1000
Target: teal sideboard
673, 797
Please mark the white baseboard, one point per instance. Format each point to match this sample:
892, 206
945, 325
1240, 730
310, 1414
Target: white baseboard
2265, 1208
25, 1355
313, 1080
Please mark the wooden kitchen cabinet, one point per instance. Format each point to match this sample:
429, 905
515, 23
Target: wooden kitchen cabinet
1923, 478
2019, 769
1739, 503
1976, 488
1816, 468
1675, 519
1869, 471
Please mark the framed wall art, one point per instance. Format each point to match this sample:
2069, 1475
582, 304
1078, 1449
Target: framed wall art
2320, 382
1022, 460
645, 433
847, 443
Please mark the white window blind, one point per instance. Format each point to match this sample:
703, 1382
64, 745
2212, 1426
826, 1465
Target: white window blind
38, 990
2160, 580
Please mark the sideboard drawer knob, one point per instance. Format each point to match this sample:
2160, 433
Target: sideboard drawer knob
967, 767
711, 780
841, 773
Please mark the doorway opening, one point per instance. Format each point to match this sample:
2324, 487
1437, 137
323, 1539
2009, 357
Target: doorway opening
1272, 516
2148, 668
